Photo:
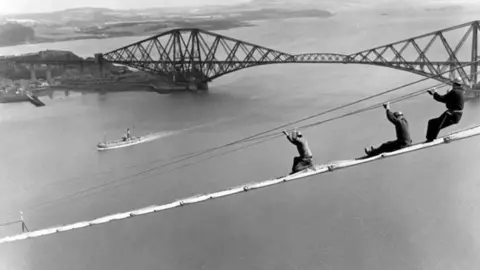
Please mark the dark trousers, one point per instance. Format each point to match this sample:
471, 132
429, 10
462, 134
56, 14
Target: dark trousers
301, 163
389, 147
445, 120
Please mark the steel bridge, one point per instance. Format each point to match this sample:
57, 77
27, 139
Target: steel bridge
201, 56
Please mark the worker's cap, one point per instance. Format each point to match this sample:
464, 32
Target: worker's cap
298, 133
398, 114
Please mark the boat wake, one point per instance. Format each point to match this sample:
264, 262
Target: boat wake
149, 137
133, 141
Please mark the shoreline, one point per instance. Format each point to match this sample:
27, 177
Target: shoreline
15, 90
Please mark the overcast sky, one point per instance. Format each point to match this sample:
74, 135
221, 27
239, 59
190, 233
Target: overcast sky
30, 6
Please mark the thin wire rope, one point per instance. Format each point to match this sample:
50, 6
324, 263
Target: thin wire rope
10, 223
375, 106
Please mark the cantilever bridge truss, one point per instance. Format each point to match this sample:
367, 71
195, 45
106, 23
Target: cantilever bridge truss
201, 56
206, 55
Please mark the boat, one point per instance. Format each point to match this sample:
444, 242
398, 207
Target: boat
120, 143
124, 142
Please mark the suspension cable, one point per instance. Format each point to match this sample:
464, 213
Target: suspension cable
375, 106
10, 223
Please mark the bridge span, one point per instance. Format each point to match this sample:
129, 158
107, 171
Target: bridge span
197, 56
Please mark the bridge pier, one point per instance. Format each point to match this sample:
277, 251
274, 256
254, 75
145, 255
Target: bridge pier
99, 61
192, 81
198, 86
203, 86
196, 80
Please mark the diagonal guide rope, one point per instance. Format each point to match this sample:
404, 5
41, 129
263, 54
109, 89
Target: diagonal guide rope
10, 223
318, 169
377, 105
253, 137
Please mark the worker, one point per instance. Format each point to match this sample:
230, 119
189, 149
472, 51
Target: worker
402, 132
454, 101
304, 160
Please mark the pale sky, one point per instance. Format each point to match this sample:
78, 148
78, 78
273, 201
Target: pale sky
32, 6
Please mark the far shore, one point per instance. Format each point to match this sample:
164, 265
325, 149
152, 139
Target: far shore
61, 26
78, 38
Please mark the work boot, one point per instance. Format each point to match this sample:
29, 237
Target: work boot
369, 151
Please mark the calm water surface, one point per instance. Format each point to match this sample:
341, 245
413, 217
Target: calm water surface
417, 211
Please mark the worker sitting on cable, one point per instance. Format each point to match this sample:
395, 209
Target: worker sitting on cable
401, 128
454, 101
304, 160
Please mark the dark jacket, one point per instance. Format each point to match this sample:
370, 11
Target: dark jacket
401, 128
302, 146
454, 99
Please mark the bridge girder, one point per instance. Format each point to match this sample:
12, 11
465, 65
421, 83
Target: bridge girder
454, 49
189, 53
